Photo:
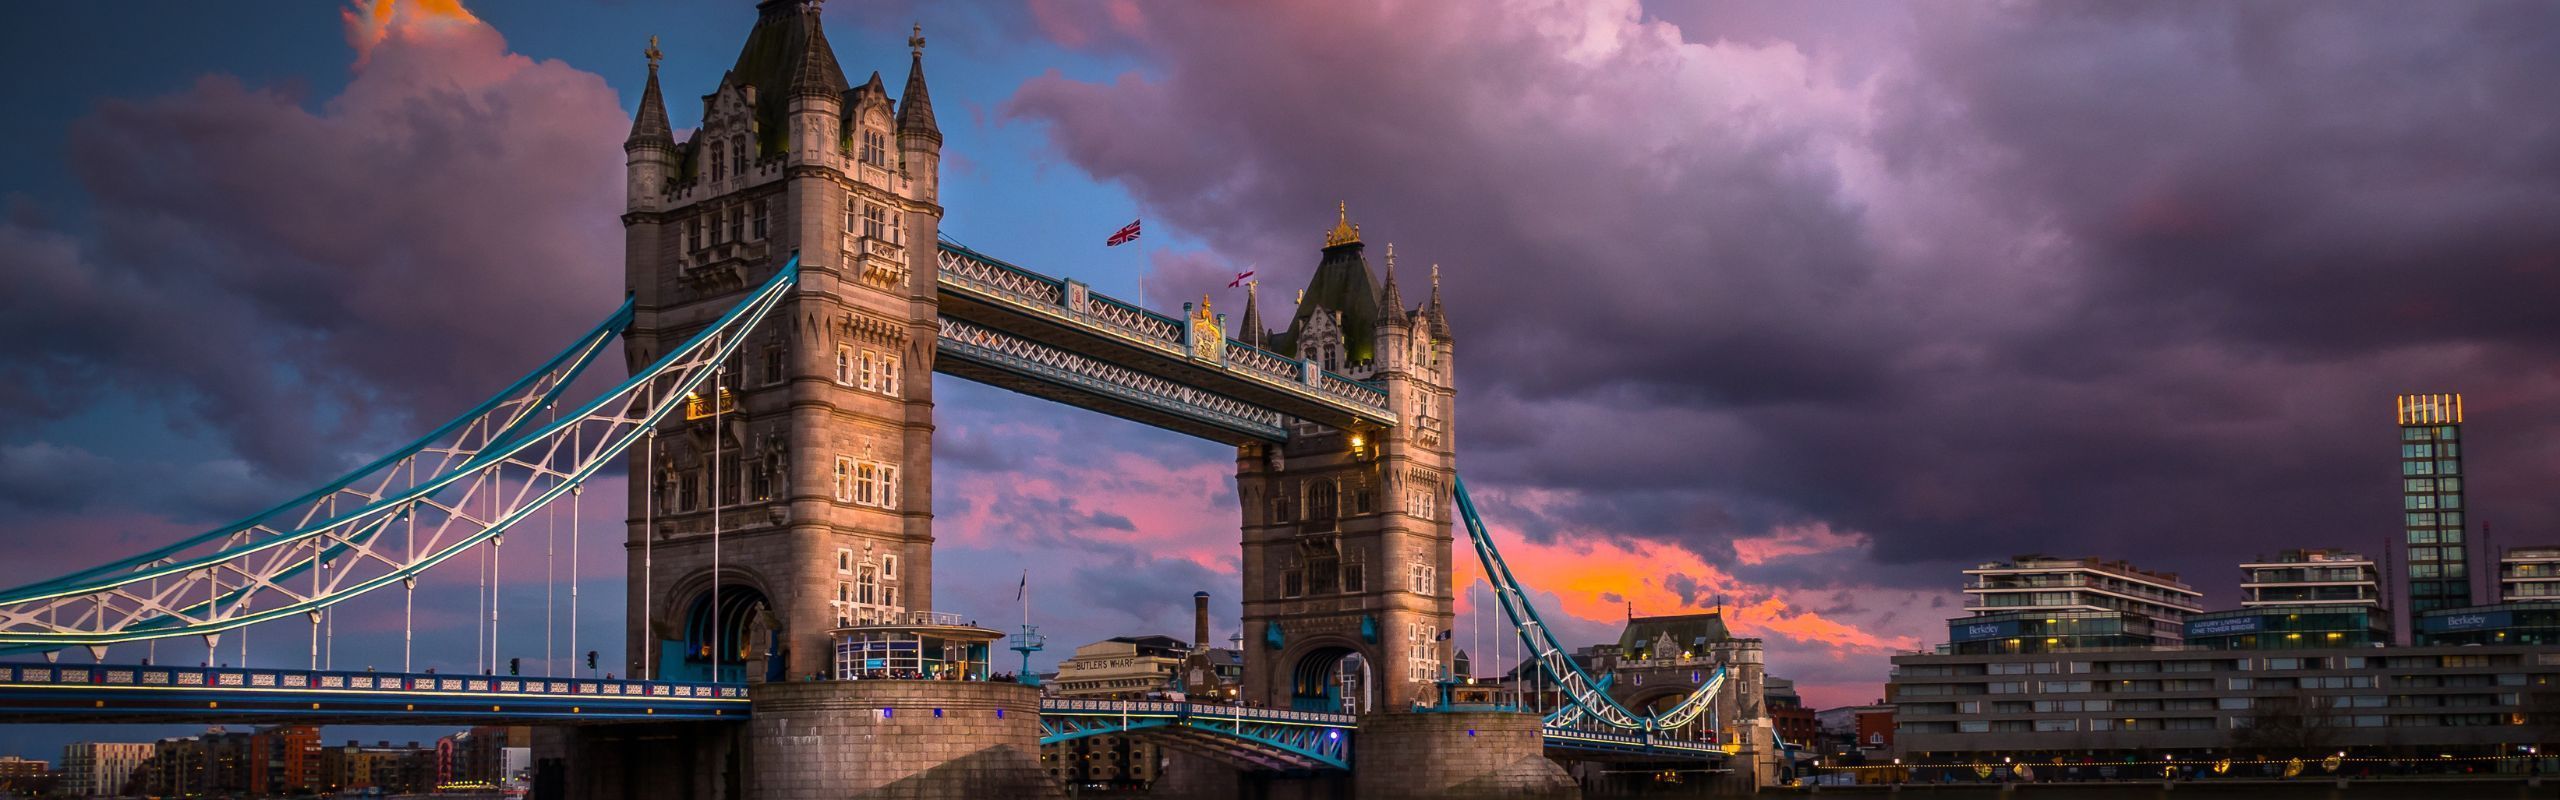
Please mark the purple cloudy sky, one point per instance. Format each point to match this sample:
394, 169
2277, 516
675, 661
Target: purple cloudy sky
1804, 305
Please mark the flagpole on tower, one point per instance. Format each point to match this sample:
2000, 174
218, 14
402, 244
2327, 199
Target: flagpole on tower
1029, 640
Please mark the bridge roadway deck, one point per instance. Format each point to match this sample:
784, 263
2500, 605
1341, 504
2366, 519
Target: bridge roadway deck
132, 693
92, 693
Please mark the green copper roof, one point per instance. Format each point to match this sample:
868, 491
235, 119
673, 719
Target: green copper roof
1342, 283
786, 52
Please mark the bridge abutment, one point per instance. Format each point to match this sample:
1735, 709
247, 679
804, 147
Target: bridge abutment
911, 740
659, 761
1464, 754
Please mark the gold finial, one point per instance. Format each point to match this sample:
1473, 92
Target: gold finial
652, 53
916, 42
1302, 297
1204, 306
1343, 231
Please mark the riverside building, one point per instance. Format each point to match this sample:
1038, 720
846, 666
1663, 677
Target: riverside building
2301, 598
2528, 611
2438, 572
2422, 701
2038, 603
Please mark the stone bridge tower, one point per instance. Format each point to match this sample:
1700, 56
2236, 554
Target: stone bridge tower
822, 432
1347, 532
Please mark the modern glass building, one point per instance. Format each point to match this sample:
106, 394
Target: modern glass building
2311, 578
2300, 599
2438, 573
2536, 623
2040, 603
2291, 627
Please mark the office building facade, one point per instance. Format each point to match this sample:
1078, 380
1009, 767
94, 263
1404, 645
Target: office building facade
2437, 572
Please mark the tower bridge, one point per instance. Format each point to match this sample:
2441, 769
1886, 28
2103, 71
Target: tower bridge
789, 304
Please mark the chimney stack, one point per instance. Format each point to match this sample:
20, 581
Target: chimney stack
1200, 620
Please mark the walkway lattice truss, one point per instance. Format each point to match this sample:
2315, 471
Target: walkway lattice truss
391, 520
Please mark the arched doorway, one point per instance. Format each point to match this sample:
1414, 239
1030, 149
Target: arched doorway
735, 622
1334, 680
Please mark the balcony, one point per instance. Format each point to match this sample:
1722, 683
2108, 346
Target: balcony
721, 265
877, 262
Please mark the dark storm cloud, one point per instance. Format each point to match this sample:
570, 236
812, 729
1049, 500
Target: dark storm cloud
2122, 280
301, 285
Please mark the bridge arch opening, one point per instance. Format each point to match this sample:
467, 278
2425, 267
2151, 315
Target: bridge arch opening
1333, 679
736, 622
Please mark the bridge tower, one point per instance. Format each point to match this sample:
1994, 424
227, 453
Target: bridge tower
822, 437
1346, 532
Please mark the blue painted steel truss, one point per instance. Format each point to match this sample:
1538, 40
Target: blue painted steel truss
1256, 738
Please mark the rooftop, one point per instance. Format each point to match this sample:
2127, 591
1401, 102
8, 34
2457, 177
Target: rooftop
2115, 567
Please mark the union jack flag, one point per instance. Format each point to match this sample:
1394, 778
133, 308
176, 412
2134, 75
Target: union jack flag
1126, 235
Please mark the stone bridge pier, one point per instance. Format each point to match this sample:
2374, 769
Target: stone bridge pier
1454, 755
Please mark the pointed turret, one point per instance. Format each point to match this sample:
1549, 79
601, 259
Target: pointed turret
1390, 300
818, 74
1439, 321
1252, 332
786, 58
650, 127
650, 155
915, 105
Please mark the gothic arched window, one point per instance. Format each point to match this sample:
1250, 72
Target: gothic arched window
1323, 502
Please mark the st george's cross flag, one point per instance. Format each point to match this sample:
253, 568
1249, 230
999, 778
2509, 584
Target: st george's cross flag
1126, 235
1239, 281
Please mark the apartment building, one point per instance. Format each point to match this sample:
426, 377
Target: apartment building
2040, 603
2426, 700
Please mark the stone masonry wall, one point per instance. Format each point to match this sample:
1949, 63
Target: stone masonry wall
1435, 756
907, 740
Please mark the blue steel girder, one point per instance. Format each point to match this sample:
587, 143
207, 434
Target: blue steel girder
997, 358
1066, 315
1626, 746
1260, 739
49, 693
